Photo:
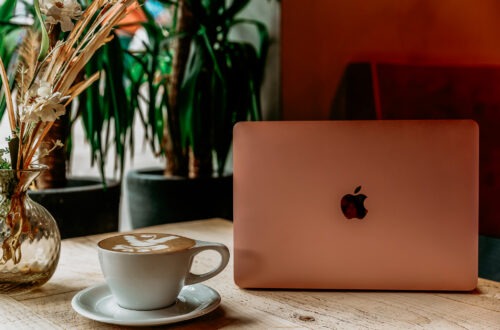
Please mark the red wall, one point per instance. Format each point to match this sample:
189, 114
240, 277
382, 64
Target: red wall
319, 37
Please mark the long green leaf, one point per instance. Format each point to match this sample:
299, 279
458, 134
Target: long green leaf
10, 33
44, 45
235, 8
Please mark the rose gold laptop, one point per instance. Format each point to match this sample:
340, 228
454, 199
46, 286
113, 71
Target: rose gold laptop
382, 205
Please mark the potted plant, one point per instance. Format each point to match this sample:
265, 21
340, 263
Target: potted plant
208, 82
106, 117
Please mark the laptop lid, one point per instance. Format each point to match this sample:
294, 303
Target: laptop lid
389, 205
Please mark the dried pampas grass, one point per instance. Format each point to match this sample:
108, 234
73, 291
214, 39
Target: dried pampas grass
47, 82
63, 64
60, 69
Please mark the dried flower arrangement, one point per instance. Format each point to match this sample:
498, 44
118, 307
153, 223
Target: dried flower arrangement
49, 77
46, 81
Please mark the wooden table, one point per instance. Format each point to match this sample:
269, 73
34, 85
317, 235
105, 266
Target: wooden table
49, 307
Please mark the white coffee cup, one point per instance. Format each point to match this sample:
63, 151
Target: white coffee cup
147, 271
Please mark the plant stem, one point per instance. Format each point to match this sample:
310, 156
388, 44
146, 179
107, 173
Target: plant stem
8, 98
177, 159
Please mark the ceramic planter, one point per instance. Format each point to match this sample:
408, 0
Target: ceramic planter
84, 207
155, 199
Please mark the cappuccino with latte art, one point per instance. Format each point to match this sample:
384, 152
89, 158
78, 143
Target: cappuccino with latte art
146, 271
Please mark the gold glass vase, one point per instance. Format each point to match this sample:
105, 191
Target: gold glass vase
29, 235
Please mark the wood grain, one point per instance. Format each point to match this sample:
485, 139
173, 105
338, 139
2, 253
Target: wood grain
49, 307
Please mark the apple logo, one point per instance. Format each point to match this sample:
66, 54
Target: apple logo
353, 205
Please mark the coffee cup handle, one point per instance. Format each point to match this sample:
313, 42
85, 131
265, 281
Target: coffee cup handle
204, 246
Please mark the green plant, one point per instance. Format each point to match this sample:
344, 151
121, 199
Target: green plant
199, 82
191, 102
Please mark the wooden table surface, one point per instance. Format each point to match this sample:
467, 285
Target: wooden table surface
50, 306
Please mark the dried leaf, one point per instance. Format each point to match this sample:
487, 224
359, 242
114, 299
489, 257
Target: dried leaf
81, 86
13, 149
27, 62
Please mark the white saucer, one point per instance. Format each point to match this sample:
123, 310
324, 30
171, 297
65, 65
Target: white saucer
97, 303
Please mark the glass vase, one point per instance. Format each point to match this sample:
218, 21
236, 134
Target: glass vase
29, 236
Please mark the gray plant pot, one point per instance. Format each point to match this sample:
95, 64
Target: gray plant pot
154, 199
84, 207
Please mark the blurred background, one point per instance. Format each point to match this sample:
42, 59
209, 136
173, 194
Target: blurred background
385, 59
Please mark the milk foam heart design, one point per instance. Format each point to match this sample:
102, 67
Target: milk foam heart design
144, 243
150, 240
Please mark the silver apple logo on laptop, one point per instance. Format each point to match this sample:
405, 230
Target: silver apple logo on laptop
353, 205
